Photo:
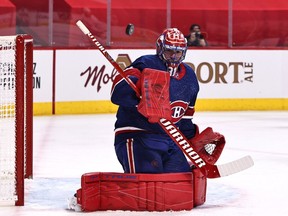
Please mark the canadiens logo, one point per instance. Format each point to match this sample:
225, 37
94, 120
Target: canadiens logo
178, 109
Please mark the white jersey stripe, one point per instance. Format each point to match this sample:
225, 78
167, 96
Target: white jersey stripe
130, 154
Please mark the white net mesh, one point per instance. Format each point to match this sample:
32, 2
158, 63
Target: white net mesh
7, 119
210, 148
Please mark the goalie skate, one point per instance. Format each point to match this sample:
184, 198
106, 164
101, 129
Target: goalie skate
73, 205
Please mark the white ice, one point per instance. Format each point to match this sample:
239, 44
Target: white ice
65, 147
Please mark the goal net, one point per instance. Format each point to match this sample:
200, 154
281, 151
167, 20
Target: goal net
16, 116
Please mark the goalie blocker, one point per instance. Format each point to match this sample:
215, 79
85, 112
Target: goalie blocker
155, 99
141, 192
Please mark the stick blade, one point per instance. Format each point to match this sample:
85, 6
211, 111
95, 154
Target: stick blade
235, 166
82, 27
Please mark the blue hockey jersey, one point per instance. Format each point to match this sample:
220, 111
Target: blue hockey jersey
183, 90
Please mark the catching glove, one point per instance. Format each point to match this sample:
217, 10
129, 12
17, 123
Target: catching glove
208, 144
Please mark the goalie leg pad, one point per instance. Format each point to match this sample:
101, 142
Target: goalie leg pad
141, 192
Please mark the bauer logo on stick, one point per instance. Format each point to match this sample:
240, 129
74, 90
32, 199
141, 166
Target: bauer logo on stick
129, 29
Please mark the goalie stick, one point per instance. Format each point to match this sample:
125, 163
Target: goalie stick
209, 170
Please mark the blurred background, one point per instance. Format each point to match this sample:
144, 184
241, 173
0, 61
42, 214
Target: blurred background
224, 23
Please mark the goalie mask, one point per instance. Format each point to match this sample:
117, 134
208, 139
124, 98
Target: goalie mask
171, 48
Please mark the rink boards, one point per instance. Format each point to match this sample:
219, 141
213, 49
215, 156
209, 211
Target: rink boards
75, 81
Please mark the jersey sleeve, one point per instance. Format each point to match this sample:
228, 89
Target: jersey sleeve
122, 93
186, 125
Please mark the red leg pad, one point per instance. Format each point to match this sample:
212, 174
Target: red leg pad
200, 185
141, 192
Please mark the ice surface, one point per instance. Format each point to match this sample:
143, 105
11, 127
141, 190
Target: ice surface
65, 147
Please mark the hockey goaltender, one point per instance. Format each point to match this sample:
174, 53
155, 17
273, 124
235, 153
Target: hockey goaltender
161, 169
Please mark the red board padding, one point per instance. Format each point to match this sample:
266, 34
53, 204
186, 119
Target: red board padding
141, 192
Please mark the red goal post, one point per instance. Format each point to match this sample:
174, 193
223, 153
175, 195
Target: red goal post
16, 116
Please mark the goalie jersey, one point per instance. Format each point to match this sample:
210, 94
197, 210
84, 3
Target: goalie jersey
183, 91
